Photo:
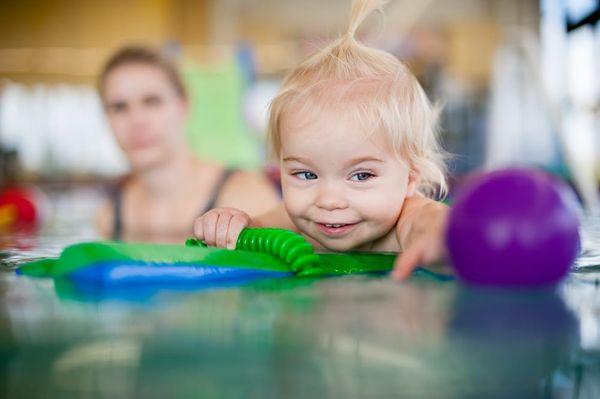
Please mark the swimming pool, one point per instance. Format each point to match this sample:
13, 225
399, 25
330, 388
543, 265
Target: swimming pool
350, 337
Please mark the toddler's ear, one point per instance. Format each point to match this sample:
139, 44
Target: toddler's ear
411, 188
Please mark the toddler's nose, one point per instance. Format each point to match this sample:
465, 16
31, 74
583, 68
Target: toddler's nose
330, 199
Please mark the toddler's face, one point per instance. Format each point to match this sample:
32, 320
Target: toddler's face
341, 186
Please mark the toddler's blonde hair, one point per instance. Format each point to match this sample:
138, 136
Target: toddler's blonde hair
373, 86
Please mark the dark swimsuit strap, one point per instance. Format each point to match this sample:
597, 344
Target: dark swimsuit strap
217, 189
117, 200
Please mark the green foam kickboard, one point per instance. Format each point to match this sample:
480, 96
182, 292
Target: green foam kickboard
261, 249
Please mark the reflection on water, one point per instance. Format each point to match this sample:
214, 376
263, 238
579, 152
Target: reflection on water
590, 243
351, 337
529, 336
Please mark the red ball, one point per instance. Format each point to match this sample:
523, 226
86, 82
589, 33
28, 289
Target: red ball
21, 206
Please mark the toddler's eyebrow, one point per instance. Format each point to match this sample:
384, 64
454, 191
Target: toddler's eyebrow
351, 162
356, 161
295, 159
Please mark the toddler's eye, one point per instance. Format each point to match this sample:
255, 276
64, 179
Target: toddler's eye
305, 175
361, 176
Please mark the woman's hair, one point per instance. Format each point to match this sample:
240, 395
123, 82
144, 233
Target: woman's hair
145, 56
372, 86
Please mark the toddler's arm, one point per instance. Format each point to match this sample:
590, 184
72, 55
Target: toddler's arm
221, 227
420, 232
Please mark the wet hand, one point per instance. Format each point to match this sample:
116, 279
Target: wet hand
221, 227
425, 243
424, 250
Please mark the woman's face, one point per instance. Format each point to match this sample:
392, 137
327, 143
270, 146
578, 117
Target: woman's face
146, 114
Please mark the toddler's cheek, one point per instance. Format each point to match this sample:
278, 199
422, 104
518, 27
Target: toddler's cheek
386, 221
295, 203
382, 208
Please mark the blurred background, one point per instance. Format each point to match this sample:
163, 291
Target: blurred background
519, 80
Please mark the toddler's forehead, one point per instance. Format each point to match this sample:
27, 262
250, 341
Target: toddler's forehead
308, 111
357, 100
343, 119
333, 129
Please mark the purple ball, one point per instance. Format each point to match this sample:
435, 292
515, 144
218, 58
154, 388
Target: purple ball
513, 227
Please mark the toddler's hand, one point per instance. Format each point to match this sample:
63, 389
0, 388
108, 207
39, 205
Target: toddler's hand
424, 250
425, 244
221, 227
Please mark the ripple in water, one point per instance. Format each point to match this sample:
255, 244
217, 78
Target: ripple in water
590, 244
21, 247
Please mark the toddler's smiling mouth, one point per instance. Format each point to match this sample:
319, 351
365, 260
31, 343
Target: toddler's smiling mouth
335, 229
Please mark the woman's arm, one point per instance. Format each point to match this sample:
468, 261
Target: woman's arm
104, 220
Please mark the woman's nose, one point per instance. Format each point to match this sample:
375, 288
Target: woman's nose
330, 197
138, 117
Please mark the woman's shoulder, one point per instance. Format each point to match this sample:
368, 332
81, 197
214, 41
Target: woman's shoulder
249, 191
248, 178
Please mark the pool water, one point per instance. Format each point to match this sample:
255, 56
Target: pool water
590, 243
350, 337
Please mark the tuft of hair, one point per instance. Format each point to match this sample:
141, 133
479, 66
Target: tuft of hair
376, 89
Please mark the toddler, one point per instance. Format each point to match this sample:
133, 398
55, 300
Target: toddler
355, 136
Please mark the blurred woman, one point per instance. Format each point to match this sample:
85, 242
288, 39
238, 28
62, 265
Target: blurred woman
147, 107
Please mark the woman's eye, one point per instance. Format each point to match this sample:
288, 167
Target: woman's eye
153, 101
305, 175
361, 176
117, 107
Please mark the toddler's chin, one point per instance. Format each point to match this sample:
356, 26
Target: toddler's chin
325, 243
336, 245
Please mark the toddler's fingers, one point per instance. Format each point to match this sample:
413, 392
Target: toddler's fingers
236, 225
221, 229
406, 262
198, 230
209, 227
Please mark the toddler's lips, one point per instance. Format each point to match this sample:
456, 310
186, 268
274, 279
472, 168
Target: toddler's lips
335, 229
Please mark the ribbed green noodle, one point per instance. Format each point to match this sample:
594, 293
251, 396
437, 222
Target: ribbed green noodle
286, 245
